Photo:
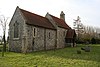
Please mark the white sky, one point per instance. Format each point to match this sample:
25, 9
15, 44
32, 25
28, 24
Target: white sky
88, 10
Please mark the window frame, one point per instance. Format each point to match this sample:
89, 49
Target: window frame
34, 32
16, 30
49, 35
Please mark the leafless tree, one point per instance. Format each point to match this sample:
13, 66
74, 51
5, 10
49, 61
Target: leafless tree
3, 23
78, 26
90, 32
85, 33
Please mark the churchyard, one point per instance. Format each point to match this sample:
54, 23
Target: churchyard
66, 57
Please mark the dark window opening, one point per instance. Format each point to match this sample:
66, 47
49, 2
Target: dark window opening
49, 35
34, 31
16, 29
33, 44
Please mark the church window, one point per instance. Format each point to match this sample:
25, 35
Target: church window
49, 35
34, 32
16, 29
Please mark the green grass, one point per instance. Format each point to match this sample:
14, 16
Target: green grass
66, 57
1, 47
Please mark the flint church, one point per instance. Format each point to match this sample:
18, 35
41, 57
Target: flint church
30, 32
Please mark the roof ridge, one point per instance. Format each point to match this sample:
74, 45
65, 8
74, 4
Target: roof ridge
55, 17
35, 19
64, 24
32, 13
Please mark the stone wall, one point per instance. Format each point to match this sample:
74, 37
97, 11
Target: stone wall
15, 44
44, 39
38, 39
50, 39
61, 34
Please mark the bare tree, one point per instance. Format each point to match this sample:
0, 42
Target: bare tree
78, 26
3, 23
85, 33
90, 32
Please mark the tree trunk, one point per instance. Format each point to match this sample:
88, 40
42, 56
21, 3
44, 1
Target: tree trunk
2, 50
4, 45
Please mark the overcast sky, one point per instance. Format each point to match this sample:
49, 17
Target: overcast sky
88, 10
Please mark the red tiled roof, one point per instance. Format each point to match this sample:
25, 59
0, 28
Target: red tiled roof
37, 20
60, 22
70, 33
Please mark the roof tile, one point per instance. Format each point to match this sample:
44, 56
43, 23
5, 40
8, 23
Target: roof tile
37, 20
60, 22
70, 33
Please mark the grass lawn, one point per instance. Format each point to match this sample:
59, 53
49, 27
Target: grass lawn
1, 47
66, 57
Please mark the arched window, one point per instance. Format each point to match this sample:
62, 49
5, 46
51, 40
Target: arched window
16, 29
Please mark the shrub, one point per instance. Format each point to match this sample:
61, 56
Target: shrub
93, 41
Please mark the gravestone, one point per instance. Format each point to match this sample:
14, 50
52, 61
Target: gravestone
87, 49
